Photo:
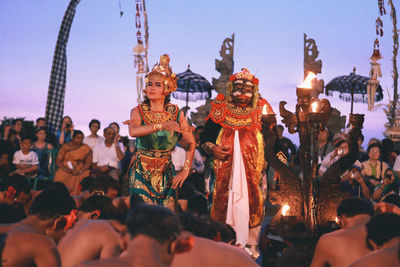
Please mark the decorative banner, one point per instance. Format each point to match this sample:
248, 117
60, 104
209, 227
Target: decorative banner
140, 50
56, 92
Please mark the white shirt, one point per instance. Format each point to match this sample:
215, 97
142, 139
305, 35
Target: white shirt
396, 166
178, 157
93, 141
103, 155
30, 159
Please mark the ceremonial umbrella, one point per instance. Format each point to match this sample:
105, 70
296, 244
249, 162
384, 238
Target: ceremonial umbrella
352, 88
192, 87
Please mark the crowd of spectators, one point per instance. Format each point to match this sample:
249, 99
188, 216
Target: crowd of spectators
65, 200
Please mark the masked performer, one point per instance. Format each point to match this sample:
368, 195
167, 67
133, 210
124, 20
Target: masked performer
156, 124
232, 137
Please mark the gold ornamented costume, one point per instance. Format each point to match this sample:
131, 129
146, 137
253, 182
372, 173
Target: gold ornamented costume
224, 122
152, 172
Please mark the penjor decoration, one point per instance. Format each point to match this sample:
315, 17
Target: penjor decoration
374, 73
140, 50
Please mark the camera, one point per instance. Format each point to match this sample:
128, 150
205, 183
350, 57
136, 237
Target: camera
68, 125
388, 176
353, 175
340, 152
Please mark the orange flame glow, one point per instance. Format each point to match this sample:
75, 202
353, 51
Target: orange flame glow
314, 106
285, 210
264, 110
307, 81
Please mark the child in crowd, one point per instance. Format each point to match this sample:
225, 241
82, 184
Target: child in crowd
25, 160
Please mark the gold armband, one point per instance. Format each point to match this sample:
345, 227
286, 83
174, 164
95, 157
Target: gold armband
186, 166
208, 147
157, 127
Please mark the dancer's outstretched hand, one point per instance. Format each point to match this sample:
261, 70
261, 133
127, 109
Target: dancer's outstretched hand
171, 126
179, 179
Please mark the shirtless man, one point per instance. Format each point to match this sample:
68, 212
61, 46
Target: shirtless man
152, 238
26, 243
384, 238
342, 247
91, 239
207, 252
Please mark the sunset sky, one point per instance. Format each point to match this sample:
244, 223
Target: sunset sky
268, 41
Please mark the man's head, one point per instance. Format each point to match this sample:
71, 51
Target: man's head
323, 135
53, 206
40, 122
349, 208
243, 88
115, 126
158, 223
96, 207
382, 228
109, 134
94, 126
26, 144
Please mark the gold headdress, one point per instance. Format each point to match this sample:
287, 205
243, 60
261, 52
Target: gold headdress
243, 75
163, 70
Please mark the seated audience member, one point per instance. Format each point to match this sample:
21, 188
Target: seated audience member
374, 168
51, 213
388, 153
198, 203
26, 161
107, 155
207, 252
119, 138
342, 247
50, 137
99, 236
383, 238
6, 155
363, 156
73, 162
42, 149
153, 238
93, 139
324, 145
197, 133
354, 184
389, 185
341, 146
67, 130
19, 131
5, 130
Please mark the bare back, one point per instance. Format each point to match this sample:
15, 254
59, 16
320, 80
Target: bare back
89, 240
383, 257
25, 246
210, 253
342, 247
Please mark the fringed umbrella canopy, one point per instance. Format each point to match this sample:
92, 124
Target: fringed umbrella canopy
192, 87
345, 84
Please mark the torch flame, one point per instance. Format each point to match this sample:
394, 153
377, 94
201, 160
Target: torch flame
307, 82
314, 106
264, 110
285, 210
337, 220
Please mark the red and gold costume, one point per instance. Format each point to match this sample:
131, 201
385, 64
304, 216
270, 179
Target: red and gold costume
224, 122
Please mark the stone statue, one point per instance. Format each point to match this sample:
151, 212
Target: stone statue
223, 66
311, 64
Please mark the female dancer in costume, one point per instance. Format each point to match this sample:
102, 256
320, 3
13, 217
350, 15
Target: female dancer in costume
156, 124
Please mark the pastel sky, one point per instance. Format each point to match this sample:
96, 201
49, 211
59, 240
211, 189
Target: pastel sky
101, 76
